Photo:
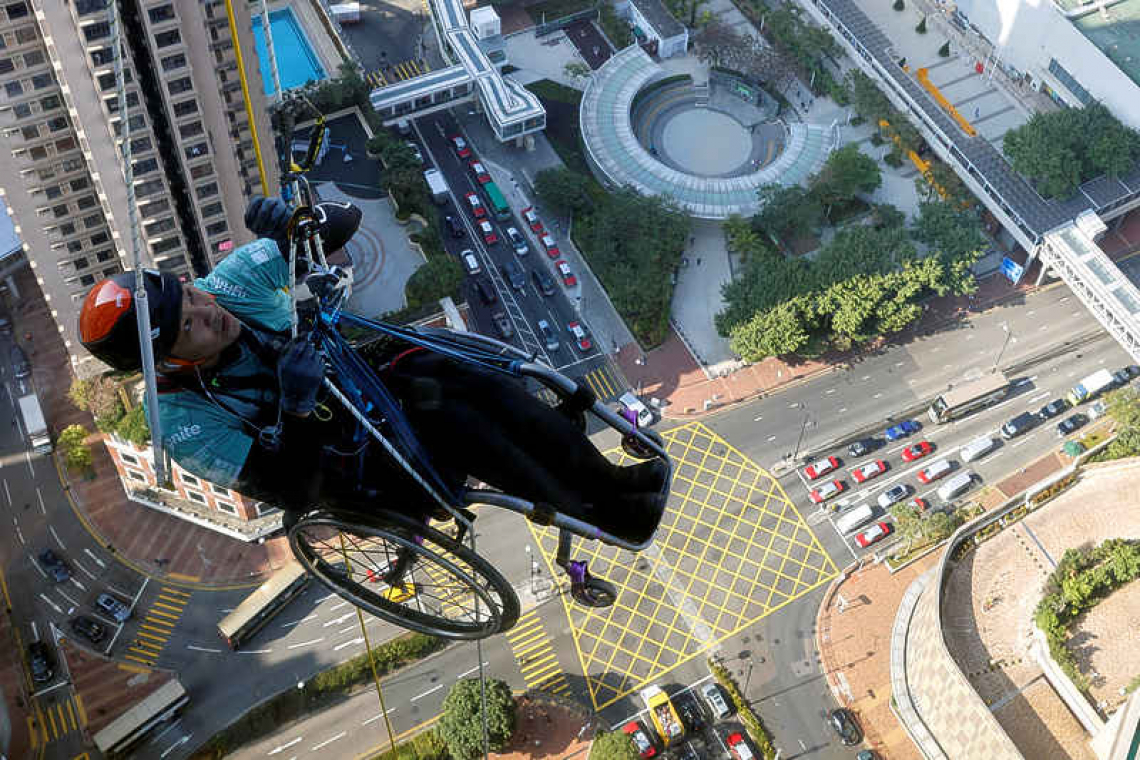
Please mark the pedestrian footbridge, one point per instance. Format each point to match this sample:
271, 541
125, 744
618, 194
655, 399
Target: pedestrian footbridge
511, 110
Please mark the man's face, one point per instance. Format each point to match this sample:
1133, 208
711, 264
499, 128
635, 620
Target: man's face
205, 329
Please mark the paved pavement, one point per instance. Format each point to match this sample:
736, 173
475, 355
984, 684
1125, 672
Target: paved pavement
543, 57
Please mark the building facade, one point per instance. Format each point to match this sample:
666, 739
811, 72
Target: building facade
194, 147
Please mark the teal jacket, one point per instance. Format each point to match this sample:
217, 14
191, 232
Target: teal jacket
252, 283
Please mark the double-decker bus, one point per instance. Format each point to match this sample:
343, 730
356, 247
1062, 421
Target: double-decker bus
498, 203
960, 401
260, 606
132, 726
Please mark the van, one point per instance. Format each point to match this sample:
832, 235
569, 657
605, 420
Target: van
634, 404
1018, 425
486, 291
849, 521
956, 486
514, 275
976, 448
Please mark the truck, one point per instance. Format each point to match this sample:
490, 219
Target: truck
34, 424
1092, 385
437, 185
663, 714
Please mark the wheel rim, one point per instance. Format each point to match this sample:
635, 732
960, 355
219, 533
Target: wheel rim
445, 589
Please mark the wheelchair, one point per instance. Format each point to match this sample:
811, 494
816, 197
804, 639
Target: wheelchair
419, 573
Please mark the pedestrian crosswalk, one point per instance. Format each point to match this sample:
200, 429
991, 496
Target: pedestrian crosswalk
55, 717
397, 72
156, 626
536, 656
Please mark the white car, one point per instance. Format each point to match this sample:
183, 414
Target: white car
470, 263
893, 495
712, 695
580, 336
517, 242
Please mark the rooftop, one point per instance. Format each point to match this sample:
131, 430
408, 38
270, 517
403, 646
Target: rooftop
659, 16
1115, 33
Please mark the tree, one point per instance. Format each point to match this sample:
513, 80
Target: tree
908, 523
921, 28
846, 173
73, 442
944, 51
565, 190
941, 524
461, 725
100, 396
866, 97
613, 745
439, 277
778, 331
133, 426
955, 236
577, 70
787, 212
899, 5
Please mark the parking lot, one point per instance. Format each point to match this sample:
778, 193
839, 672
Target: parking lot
732, 548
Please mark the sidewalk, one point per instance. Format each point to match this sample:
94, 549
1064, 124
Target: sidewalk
137, 534
854, 644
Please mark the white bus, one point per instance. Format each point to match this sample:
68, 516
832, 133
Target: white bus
260, 606
960, 401
133, 725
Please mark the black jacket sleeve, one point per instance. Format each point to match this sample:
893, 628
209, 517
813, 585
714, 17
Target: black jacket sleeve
289, 476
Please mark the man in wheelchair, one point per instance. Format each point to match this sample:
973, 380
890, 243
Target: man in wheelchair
243, 406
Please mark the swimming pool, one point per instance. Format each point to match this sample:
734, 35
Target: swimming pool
296, 61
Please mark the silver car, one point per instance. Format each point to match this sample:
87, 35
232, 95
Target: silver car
113, 607
712, 695
548, 335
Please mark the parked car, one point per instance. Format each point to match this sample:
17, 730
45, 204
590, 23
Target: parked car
917, 451
460, 146
568, 278
503, 325
88, 628
480, 172
518, 242
1071, 423
893, 494
738, 747
486, 291
21, 367
863, 446
902, 430
822, 467
543, 282
1053, 408
550, 246
455, 226
934, 471
55, 567
869, 470
514, 275
531, 218
113, 607
711, 693
415, 150
843, 722
826, 491
1098, 409
920, 504
640, 738
580, 336
41, 662
470, 262
488, 232
1018, 425
690, 710
477, 209
548, 336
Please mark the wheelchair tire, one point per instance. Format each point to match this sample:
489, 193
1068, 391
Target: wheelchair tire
594, 592
634, 448
408, 573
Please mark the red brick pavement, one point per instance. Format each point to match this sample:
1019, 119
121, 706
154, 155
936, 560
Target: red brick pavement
670, 372
138, 534
107, 688
14, 686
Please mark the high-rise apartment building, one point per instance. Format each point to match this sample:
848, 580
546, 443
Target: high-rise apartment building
193, 145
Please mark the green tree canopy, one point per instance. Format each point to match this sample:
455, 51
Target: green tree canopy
783, 329
73, 442
613, 745
461, 724
133, 426
846, 173
564, 190
439, 277
955, 236
786, 212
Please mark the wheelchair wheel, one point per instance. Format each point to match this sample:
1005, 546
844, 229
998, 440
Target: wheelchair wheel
636, 449
594, 592
405, 572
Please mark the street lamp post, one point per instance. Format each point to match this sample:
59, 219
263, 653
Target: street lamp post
1005, 343
800, 440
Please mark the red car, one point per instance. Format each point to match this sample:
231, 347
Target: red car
489, 236
876, 532
532, 220
917, 451
822, 467
738, 747
460, 146
826, 491
550, 246
568, 278
641, 741
580, 336
920, 504
480, 172
934, 471
476, 205
869, 470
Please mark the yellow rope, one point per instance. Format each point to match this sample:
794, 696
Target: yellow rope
245, 94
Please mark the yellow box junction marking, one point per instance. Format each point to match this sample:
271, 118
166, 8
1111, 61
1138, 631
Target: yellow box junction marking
538, 662
731, 549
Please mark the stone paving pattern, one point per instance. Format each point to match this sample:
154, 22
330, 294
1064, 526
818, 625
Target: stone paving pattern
1094, 641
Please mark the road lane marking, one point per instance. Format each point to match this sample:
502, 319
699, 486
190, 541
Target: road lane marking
429, 691
375, 718
98, 561
77, 583
350, 642
254, 651
51, 603
176, 745
305, 643
90, 574
295, 622
472, 670
40, 496
203, 649
55, 535
286, 746
327, 742
7, 492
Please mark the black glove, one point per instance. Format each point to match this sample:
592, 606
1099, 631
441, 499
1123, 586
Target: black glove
268, 217
299, 372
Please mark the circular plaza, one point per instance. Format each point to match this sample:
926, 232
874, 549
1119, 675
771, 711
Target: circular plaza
708, 149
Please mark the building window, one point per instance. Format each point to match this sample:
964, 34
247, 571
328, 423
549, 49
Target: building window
128, 458
226, 507
40, 81
86, 202
71, 164
171, 62
185, 108
50, 102
64, 145
201, 171
195, 496
22, 110
30, 132
85, 7
106, 82
211, 209
80, 264
59, 211
146, 166
87, 280
150, 187
190, 479
97, 31
57, 123
191, 129
16, 10
136, 121
154, 208
1070, 82
34, 58
157, 228
75, 246
6, 66
141, 145
197, 149
93, 221
166, 245
166, 39
215, 229
13, 89
102, 57
161, 13
219, 490
25, 34
66, 229
207, 191
38, 153
104, 255
99, 238
53, 192
113, 101
136, 475
180, 85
